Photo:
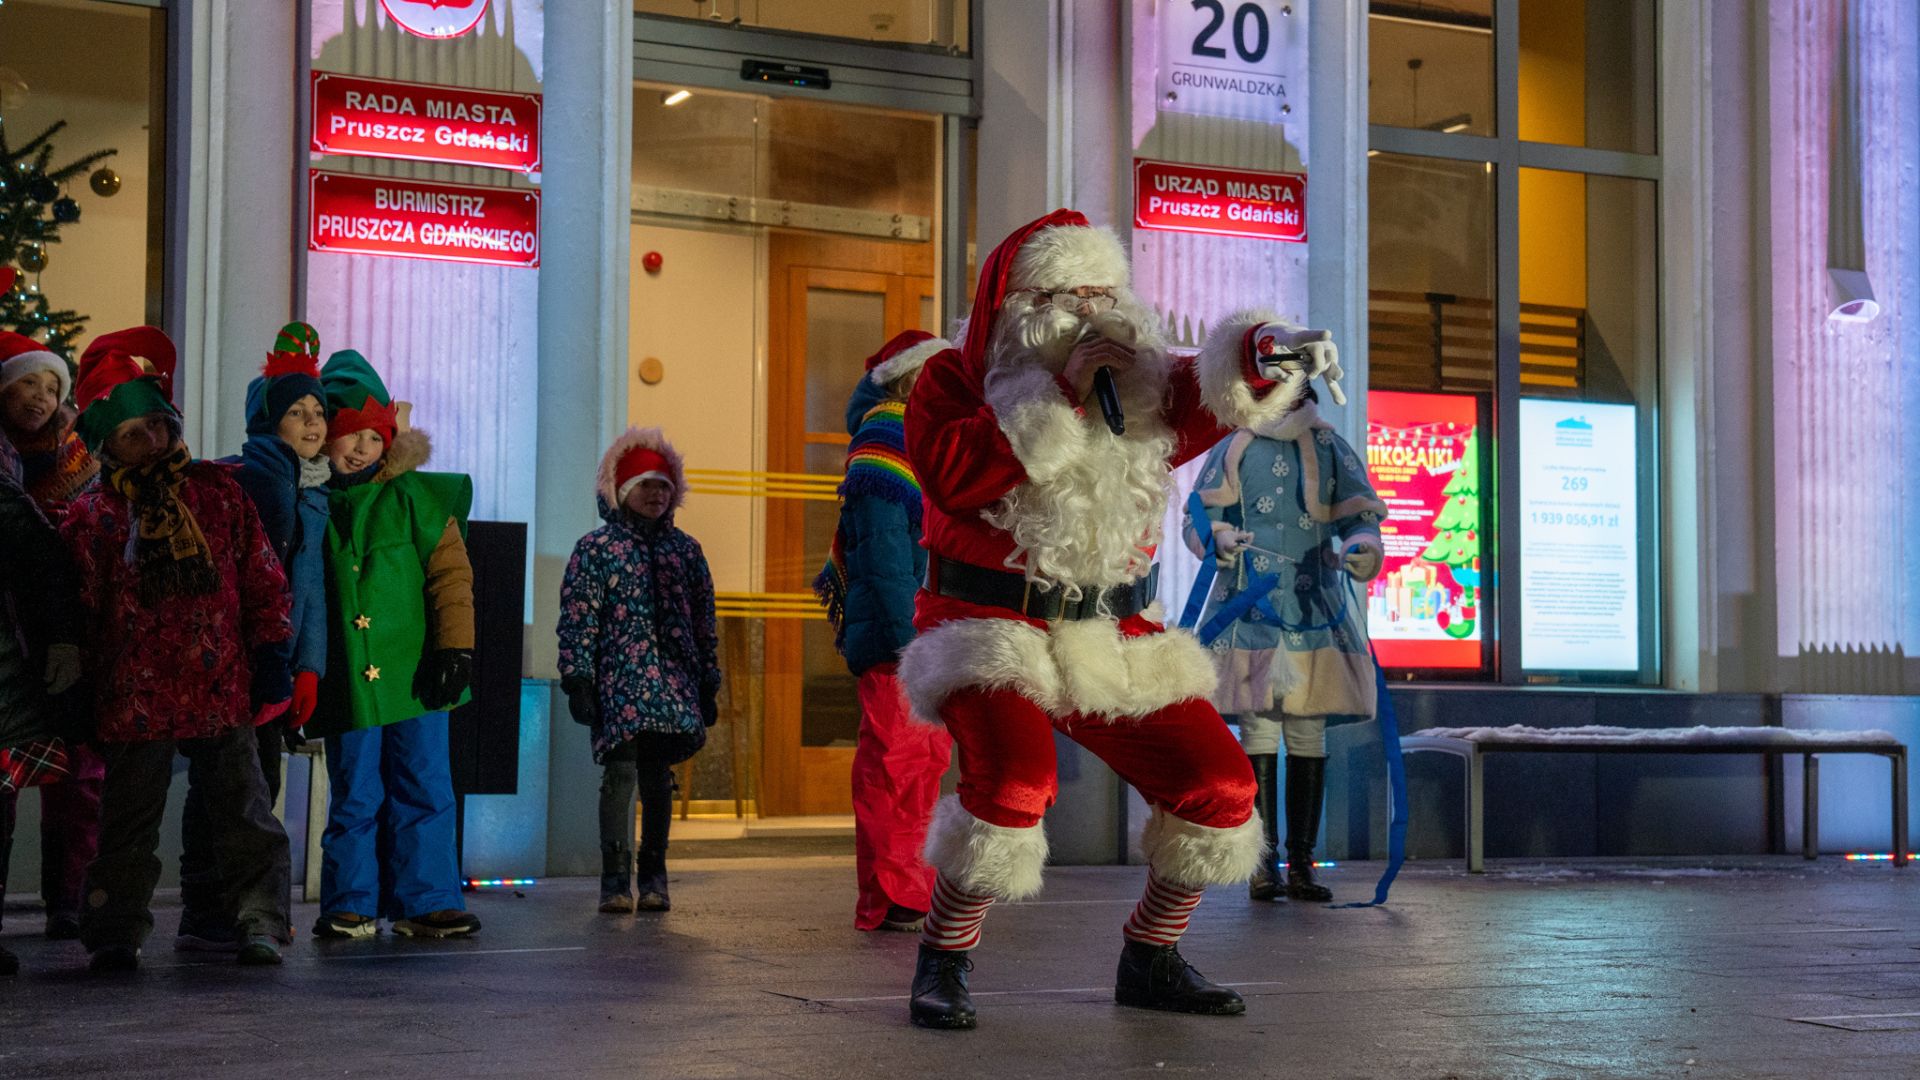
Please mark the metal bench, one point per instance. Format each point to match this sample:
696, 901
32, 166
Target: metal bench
1474, 744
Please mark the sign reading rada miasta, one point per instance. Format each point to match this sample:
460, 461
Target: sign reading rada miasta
1179, 197
421, 122
415, 219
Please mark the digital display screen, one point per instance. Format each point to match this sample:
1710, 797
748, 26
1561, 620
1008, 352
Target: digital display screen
1579, 553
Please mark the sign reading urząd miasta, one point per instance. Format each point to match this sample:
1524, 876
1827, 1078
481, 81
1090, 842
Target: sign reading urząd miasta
415, 219
1223, 202
421, 122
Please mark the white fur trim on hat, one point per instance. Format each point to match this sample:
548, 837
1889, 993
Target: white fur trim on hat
634, 481
908, 361
21, 365
1086, 666
1068, 256
1197, 855
986, 859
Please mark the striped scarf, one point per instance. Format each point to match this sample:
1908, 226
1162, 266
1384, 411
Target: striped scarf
877, 467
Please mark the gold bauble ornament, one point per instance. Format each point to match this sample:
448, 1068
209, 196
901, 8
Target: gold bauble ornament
33, 259
104, 182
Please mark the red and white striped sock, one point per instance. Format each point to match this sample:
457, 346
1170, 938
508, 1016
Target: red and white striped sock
953, 923
1162, 914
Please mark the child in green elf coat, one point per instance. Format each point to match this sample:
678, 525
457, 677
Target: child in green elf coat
400, 606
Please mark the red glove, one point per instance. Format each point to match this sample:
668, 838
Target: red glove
306, 698
266, 714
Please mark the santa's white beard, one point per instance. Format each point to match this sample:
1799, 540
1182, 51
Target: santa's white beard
1094, 518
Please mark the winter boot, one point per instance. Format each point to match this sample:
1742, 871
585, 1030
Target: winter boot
616, 879
940, 997
445, 923
902, 920
1306, 794
1158, 977
1266, 802
651, 879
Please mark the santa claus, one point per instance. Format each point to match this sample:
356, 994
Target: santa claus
1046, 482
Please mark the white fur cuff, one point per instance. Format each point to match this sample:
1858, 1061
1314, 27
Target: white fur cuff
1195, 855
1369, 545
985, 859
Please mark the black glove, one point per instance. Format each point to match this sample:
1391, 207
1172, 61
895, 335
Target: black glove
448, 674
582, 701
710, 707
272, 683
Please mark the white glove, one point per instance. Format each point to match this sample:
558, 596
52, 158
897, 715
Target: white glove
63, 668
1282, 349
1363, 562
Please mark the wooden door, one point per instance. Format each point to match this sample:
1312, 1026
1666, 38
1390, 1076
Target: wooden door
832, 302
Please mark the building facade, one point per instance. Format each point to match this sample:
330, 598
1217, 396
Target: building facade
1597, 272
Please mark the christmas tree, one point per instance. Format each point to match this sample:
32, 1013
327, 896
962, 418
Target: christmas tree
1456, 541
33, 208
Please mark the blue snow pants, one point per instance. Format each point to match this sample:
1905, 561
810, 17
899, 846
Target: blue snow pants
389, 848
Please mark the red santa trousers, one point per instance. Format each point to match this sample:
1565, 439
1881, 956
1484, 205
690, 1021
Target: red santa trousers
897, 768
1181, 757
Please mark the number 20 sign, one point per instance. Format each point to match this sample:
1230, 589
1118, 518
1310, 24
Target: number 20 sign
1237, 58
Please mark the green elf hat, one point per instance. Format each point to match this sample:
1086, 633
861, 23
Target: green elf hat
123, 376
291, 373
357, 400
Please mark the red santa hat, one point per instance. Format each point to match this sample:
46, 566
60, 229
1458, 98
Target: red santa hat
905, 355
21, 356
1060, 251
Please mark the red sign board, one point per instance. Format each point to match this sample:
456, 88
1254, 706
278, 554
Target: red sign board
1423, 456
420, 122
435, 18
1178, 197
415, 219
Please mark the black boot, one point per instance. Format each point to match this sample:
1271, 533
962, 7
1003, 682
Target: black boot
1158, 977
656, 821
1266, 802
940, 997
1306, 794
616, 879
650, 873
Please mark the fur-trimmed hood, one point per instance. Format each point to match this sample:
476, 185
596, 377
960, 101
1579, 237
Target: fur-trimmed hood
1223, 379
605, 483
411, 449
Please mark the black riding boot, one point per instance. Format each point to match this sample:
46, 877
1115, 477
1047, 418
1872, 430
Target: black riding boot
1266, 802
1158, 977
616, 878
940, 997
1306, 794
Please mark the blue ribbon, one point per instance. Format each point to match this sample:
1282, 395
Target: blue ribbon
1397, 781
1203, 581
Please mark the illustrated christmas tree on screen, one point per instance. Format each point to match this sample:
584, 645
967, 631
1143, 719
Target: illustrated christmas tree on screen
1456, 543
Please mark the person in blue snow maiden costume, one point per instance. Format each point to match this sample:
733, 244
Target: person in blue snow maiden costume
1293, 524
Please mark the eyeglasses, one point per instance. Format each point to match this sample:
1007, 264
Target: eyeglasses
1083, 299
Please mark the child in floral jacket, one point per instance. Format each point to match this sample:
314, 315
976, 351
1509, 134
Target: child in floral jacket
639, 656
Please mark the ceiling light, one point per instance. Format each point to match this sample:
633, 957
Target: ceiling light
675, 98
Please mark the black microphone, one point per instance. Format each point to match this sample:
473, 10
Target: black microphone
1104, 390
1108, 396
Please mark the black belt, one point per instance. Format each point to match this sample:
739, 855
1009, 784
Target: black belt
998, 588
